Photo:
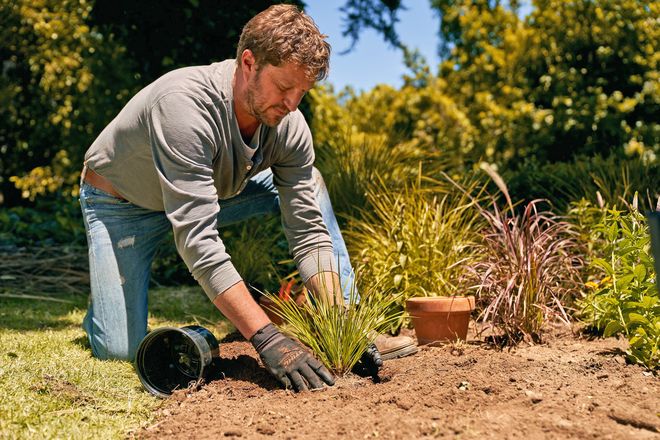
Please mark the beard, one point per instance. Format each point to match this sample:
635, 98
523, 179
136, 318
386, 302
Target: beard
258, 107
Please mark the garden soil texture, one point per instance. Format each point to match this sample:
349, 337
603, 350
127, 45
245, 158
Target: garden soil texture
568, 387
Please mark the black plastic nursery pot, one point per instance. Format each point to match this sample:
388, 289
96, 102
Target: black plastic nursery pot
654, 226
170, 358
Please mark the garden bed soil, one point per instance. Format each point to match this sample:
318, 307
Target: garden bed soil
569, 387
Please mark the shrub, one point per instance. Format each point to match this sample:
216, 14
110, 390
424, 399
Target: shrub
600, 180
623, 299
62, 80
49, 222
573, 77
358, 144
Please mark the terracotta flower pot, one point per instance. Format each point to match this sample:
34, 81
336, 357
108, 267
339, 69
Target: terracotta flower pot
440, 319
270, 307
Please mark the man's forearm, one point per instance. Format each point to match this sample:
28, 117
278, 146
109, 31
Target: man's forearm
237, 305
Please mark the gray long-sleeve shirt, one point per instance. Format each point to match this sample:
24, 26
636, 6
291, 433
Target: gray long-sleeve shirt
176, 147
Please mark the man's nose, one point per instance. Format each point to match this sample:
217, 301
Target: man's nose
292, 100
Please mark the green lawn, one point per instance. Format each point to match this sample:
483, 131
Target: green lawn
51, 386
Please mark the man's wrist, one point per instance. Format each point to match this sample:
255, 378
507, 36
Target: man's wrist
265, 337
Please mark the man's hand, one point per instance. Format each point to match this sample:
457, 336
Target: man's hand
369, 363
289, 361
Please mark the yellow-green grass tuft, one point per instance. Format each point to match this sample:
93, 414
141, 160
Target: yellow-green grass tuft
338, 335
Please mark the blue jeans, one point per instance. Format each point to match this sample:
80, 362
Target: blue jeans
123, 239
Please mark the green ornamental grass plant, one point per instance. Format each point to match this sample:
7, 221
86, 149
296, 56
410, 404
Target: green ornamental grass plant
356, 168
337, 334
419, 241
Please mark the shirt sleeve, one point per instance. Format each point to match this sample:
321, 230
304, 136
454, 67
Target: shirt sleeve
181, 132
295, 180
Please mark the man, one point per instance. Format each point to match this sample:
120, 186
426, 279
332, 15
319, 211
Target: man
199, 148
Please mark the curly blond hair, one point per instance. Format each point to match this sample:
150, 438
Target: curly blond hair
283, 34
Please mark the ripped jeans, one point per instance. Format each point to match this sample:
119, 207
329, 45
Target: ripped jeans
123, 239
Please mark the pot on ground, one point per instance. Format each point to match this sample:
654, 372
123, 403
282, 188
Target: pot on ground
170, 358
269, 306
440, 319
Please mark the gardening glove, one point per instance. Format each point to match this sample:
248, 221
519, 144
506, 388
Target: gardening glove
289, 361
369, 363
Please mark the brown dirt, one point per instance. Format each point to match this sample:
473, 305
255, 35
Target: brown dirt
570, 387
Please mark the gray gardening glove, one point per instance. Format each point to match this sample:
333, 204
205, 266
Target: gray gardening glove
289, 361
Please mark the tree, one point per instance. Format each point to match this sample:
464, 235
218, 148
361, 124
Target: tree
70, 65
161, 35
61, 81
573, 78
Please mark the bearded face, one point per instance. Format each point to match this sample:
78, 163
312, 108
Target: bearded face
275, 91
260, 105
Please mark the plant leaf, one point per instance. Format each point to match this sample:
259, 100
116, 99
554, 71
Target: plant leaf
612, 328
640, 272
599, 262
636, 318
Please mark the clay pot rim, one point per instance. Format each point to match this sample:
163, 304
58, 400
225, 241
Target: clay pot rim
440, 304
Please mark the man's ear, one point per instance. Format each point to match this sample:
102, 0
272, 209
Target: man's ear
248, 63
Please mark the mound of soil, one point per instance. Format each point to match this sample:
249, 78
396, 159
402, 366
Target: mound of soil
569, 387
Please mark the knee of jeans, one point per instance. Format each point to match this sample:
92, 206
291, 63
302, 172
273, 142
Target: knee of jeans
107, 352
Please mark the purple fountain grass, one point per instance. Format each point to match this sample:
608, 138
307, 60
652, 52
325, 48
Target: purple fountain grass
531, 267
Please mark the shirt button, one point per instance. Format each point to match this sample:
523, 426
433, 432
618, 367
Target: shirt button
249, 167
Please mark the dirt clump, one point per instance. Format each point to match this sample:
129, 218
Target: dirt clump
569, 387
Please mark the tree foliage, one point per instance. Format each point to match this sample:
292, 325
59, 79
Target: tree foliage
68, 66
161, 35
572, 78
61, 80
379, 15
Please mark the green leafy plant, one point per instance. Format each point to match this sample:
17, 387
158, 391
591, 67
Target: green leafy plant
48, 222
418, 241
338, 335
625, 299
531, 267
